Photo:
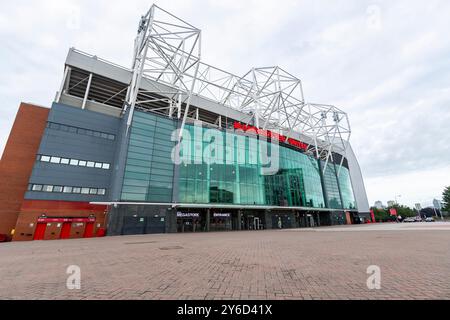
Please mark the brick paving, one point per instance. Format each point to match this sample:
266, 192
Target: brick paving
324, 263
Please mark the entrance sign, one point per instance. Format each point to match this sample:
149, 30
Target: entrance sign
221, 215
188, 214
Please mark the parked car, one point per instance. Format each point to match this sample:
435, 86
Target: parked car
429, 219
418, 219
410, 219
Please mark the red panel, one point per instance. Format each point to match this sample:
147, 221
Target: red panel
61, 205
89, 231
40, 231
65, 230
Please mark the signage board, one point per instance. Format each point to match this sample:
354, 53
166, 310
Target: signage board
270, 135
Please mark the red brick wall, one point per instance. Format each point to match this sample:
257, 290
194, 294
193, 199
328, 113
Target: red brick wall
17, 161
32, 209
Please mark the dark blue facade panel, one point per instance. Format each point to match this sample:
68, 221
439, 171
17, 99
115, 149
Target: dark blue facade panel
79, 135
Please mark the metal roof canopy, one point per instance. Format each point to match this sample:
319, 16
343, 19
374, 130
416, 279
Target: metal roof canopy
218, 206
168, 50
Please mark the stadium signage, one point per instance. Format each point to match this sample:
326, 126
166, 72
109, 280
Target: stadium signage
221, 215
187, 214
270, 135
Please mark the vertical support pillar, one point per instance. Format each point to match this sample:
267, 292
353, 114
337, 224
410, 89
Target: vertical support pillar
239, 217
86, 94
63, 84
208, 219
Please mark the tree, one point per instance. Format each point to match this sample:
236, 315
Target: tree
381, 215
404, 211
446, 199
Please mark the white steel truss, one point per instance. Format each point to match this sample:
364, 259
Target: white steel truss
168, 50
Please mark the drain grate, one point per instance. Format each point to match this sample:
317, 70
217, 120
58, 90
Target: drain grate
171, 248
141, 242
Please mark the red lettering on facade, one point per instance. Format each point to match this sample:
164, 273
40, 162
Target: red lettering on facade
271, 135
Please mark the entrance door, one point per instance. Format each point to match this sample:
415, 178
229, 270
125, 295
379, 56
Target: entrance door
256, 223
65, 230
40, 231
133, 225
89, 230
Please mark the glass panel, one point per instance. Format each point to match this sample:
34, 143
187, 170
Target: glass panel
37, 187
82, 163
67, 190
57, 189
45, 159
90, 164
55, 159
85, 190
73, 162
65, 161
47, 188
105, 166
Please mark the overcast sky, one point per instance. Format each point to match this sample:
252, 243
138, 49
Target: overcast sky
386, 63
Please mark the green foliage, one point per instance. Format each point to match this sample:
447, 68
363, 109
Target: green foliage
446, 199
404, 211
382, 215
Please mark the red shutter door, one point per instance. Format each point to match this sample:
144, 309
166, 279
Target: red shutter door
65, 230
40, 231
89, 230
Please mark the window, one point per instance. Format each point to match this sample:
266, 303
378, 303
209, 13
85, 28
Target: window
80, 131
73, 162
76, 190
55, 159
47, 188
37, 187
66, 189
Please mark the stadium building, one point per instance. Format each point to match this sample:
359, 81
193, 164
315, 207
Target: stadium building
173, 144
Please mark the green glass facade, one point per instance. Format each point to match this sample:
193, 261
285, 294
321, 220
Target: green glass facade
345, 185
149, 169
222, 167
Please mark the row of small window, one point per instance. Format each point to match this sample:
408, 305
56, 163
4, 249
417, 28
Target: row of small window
66, 189
73, 162
86, 132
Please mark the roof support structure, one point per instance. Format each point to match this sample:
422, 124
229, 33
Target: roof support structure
168, 50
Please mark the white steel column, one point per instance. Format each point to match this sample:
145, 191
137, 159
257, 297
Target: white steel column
86, 94
63, 83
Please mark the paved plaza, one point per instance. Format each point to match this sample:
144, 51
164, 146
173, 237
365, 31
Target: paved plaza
323, 263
